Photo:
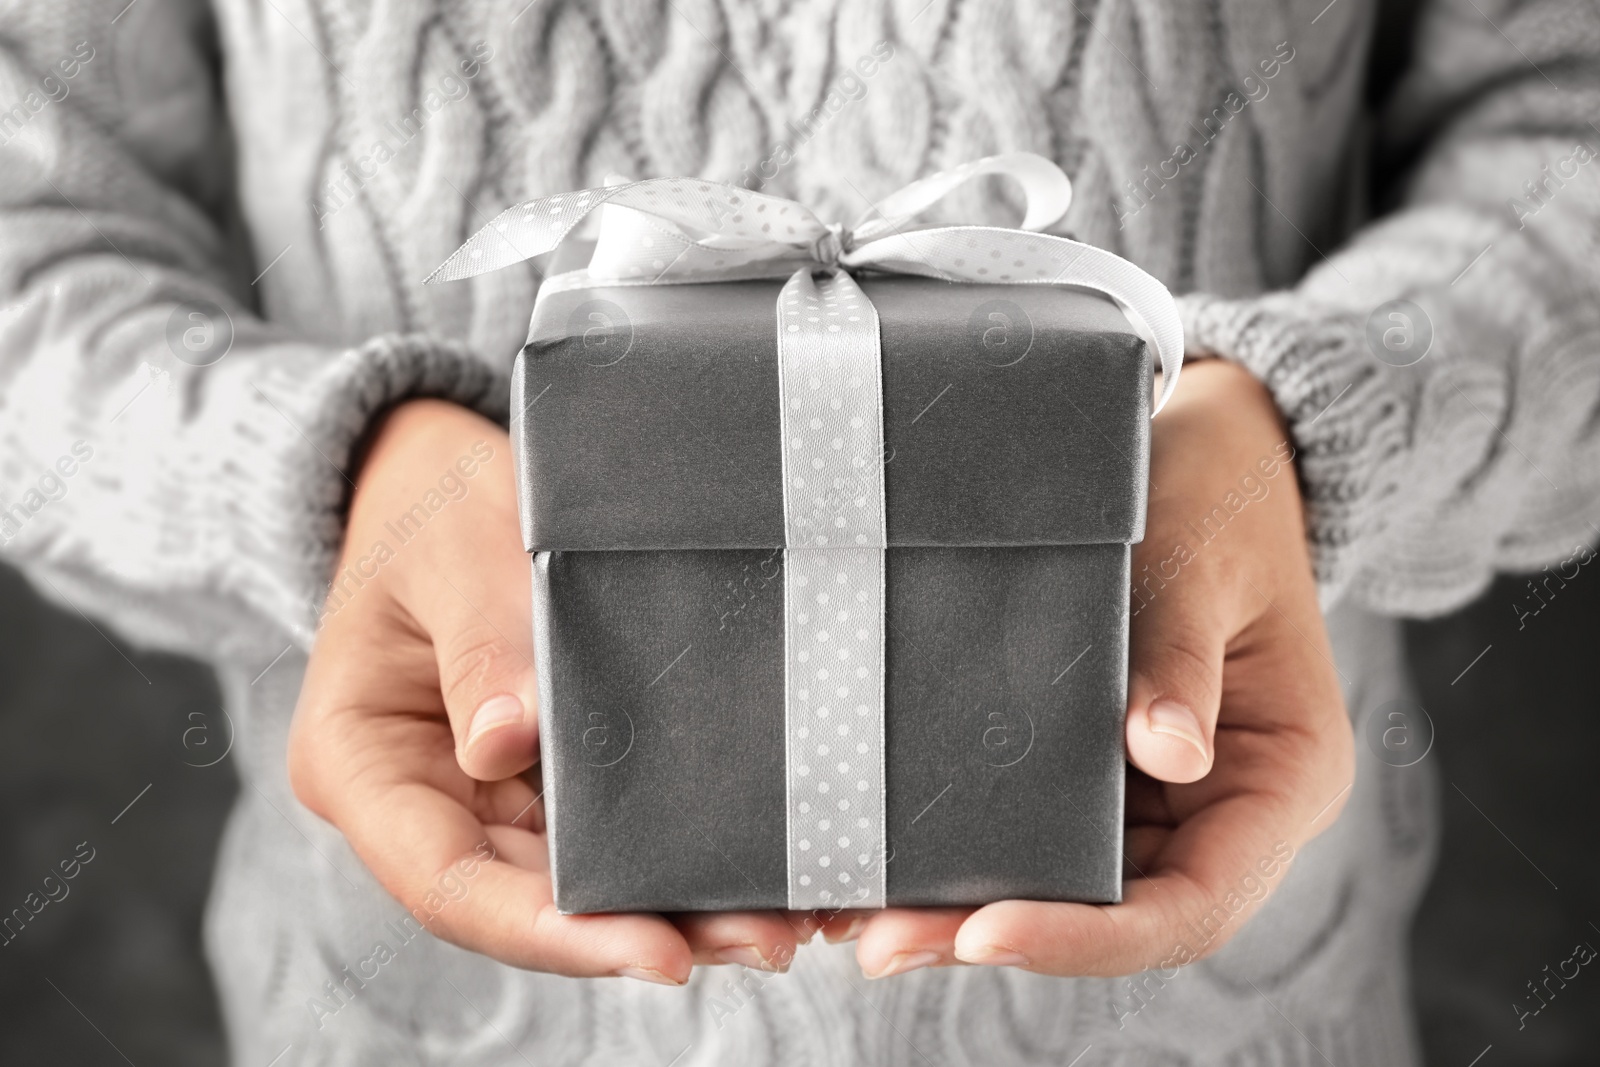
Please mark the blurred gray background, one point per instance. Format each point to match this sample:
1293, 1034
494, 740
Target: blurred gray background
113, 973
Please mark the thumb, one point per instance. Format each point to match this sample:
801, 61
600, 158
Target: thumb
1174, 688
484, 646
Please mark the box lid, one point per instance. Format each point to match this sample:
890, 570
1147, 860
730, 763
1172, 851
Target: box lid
646, 417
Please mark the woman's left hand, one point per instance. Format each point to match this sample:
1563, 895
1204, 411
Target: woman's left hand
1237, 733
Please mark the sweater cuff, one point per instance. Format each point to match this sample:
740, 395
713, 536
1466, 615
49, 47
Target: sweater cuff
1345, 410
288, 479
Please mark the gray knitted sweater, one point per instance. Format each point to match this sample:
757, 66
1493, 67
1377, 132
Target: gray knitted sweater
214, 220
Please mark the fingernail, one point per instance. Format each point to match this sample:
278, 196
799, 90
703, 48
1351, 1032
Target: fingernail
646, 974
744, 956
1173, 719
849, 933
993, 956
907, 961
495, 712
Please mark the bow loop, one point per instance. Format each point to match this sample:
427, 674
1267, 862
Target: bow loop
1046, 190
673, 230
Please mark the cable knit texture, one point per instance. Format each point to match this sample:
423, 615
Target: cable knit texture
290, 170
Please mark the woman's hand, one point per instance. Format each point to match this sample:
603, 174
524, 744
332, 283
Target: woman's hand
1237, 730
417, 724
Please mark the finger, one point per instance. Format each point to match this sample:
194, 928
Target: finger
468, 587
1175, 682
507, 911
1218, 868
805, 924
1141, 846
508, 802
1145, 800
481, 624
762, 940
456, 573
898, 940
1236, 840
840, 926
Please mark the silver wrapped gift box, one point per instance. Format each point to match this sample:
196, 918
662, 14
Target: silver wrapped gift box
649, 442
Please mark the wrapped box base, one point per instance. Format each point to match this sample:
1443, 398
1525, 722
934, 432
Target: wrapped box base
662, 719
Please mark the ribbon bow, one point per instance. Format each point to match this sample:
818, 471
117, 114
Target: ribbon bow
674, 230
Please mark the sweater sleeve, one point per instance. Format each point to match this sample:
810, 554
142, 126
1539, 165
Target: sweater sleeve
1440, 373
169, 459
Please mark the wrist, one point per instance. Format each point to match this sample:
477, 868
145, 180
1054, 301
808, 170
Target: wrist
436, 477
1224, 498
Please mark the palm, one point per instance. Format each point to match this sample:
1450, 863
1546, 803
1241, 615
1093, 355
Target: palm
1251, 752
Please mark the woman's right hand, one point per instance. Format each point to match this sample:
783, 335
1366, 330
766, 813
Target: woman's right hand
417, 723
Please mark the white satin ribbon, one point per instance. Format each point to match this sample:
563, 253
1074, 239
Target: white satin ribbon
830, 394
686, 230
678, 230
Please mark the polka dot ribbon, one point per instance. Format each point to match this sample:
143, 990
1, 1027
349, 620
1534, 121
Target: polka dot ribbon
672, 230
830, 393
679, 230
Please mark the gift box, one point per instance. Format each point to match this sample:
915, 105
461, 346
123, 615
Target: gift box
650, 444
830, 532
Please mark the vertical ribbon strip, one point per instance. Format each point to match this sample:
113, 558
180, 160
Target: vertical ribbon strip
830, 390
